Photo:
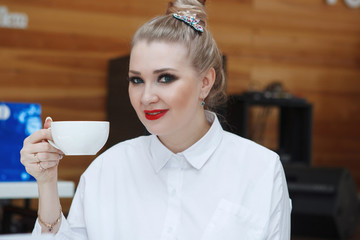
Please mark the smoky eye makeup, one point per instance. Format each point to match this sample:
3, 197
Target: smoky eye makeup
167, 78
134, 80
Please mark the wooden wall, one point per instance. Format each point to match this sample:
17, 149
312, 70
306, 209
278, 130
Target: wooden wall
61, 59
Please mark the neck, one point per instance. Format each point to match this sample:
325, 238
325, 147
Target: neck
178, 142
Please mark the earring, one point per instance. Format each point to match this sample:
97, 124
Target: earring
203, 103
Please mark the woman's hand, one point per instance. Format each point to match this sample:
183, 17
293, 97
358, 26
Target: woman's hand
39, 157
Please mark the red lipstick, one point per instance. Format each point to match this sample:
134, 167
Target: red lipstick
155, 114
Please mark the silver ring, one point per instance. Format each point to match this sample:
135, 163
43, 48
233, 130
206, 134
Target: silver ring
36, 157
40, 167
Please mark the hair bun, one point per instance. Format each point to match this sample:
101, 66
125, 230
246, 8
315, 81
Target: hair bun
194, 7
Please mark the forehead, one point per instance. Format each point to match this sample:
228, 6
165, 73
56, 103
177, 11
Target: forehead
156, 55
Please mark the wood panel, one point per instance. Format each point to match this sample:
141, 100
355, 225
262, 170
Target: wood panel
61, 59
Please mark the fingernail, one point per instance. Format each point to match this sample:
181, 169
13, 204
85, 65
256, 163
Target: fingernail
48, 118
61, 156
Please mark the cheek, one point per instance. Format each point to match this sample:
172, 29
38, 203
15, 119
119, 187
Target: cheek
184, 96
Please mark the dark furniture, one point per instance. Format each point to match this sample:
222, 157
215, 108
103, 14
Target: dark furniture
295, 124
324, 200
124, 122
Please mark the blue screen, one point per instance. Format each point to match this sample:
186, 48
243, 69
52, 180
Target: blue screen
17, 121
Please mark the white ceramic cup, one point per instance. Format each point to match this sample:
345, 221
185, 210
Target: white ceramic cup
79, 137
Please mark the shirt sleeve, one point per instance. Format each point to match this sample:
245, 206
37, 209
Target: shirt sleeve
279, 222
74, 227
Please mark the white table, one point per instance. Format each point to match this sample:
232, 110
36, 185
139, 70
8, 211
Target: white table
28, 190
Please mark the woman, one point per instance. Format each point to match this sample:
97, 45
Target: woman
190, 179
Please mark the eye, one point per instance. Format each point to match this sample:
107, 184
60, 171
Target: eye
135, 80
167, 78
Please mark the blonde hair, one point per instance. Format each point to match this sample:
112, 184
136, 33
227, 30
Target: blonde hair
203, 51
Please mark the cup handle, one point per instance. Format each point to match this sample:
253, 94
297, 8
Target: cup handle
53, 144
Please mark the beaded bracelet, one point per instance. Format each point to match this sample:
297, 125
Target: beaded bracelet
50, 226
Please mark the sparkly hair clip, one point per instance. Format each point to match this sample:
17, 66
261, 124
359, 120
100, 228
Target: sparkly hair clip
191, 20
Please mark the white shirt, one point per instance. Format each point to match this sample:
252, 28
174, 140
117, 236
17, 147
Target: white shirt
223, 187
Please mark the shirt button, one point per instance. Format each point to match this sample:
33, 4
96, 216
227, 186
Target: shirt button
170, 229
173, 192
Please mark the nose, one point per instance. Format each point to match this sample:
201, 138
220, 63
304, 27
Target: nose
149, 95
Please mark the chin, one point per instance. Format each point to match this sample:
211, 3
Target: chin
151, 129
156, 127
156, 130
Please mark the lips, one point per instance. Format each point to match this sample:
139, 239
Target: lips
155, 114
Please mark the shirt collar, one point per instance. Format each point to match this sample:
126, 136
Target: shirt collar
197, 154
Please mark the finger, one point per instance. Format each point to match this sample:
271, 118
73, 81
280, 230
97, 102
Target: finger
45, 157
38, 136
36, 158
41, 168
31, 157
46, 165
44, 147
33, 169
29, 151
47, 123
37, 168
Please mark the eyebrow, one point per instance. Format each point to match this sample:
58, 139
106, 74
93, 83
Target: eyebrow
155, 71
163, 70
135, 72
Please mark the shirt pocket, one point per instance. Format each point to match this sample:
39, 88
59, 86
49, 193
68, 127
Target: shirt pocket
231, 221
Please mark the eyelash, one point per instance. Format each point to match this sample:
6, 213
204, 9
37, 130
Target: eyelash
138, 80
167, 75
135, 80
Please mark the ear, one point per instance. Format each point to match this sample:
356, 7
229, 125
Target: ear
207, 82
